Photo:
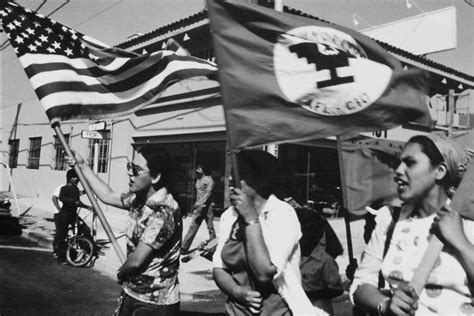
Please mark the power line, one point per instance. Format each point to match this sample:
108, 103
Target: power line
11, 96
7, 42
58, 8
98, 13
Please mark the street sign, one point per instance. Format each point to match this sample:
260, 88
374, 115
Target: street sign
92, 134
97, 126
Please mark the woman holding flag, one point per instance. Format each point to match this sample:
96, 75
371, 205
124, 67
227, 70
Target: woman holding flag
256, 262
431, 168
149, 276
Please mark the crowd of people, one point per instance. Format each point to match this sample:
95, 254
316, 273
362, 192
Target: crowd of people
275, 257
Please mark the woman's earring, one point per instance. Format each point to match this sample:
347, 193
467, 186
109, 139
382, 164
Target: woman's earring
156, 179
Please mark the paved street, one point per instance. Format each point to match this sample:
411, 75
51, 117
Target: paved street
32, 283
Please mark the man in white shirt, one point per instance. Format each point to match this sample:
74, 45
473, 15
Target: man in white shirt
57, 204
202, 208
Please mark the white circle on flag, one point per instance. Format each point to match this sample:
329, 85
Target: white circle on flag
327, 72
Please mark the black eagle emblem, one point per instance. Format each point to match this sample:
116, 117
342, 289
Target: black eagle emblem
324, 56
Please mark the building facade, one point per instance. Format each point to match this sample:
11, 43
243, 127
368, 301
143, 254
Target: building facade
188, 122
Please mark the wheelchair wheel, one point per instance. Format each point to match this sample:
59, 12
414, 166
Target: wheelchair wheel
80, 251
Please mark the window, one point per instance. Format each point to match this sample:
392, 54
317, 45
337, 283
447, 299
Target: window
14, 148
59, 157
34, 153
186, 155
312, 173
104, 145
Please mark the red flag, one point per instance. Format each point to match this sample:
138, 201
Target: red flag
368, 172
289, 78
75, 76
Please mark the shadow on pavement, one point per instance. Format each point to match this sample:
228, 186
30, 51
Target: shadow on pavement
182, 313
202, 308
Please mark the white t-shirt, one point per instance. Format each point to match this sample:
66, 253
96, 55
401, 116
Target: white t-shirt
56, 194
281, 232
446, 292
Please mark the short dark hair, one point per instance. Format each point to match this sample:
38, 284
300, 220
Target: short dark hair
428, 148
159, 162
260, 170
205, 168
71, 173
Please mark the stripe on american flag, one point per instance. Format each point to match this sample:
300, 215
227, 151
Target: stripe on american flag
76, 76
125, 81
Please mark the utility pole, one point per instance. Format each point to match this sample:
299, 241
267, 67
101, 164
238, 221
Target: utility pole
451, 105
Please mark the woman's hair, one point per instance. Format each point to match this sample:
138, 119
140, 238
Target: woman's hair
205, 168
428, 148
159, 162
260, 170
442, 149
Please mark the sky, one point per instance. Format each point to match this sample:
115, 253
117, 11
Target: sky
377, 12
113, 21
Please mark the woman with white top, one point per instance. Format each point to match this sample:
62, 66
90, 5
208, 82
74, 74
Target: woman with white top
256, 262
431, 168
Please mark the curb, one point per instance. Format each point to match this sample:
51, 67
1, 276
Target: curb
207, 296
39, 238
344, 297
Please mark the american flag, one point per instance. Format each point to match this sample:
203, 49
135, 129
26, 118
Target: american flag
78, 77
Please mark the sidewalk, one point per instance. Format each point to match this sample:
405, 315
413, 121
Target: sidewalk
195, 276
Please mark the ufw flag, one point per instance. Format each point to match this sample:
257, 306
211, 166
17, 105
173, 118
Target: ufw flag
368, 169
77, 77
288, 78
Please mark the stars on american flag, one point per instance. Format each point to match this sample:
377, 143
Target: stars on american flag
70, 74
32, 33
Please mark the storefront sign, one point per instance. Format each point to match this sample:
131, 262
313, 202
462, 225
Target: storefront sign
97, 126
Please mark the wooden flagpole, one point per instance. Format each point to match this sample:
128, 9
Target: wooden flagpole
57, 128
344, 199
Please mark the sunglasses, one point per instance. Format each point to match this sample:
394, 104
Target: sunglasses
136, 170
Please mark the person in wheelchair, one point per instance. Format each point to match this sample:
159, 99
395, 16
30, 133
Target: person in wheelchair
83, 229
70, 197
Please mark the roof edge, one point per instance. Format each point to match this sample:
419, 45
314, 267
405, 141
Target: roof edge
203, 16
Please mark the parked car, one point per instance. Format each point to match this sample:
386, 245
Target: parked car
9, 225
5, 204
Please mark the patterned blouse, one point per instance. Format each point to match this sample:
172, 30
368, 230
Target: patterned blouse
446, 292
158, 224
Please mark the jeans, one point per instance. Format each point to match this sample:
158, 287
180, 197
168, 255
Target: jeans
128, 306
56, 226
199, 214
64, 219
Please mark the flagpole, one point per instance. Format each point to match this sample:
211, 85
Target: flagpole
344, 199
57, 128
